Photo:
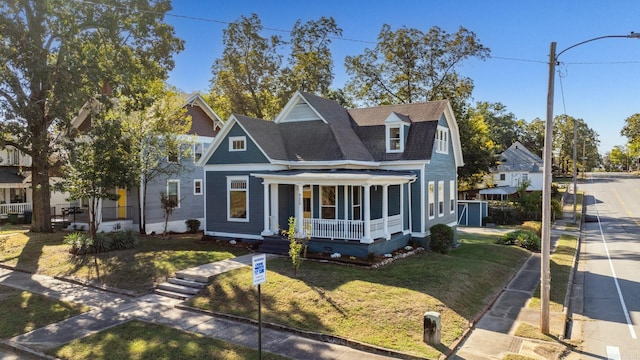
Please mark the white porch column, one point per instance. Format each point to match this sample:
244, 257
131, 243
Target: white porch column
367, 215
274, 208
299, 210
385, 211
404, 213
266, 231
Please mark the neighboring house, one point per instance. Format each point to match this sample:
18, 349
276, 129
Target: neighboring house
15, 192
186, 187
515, 165
361, 180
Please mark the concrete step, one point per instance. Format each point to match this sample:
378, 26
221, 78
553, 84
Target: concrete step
171, 294
178, 288
187, 283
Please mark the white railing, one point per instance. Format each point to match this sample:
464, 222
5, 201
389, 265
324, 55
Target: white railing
377, 228
273, 224
395, 224
16, 208
335, 229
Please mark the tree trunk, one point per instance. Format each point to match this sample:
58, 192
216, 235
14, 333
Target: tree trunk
41, 190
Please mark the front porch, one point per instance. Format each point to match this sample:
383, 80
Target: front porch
356, 206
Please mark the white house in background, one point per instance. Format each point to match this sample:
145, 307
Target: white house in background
518, 164
15, 193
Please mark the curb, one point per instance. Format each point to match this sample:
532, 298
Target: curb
21, 349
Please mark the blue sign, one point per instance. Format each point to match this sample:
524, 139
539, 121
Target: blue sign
259, 269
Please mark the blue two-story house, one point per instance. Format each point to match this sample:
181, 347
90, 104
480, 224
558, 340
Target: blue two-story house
358, 181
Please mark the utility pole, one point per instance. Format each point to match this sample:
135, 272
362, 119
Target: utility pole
575, 169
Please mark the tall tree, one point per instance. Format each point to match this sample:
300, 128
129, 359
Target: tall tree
244, 79
478, 148
408, 65
310, 66
158, 137
57, 54
631, 128
533, 136
563, 144
504, 129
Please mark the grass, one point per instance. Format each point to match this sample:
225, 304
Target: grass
23, 311
139, 340
382, 307
137, 270
560, 267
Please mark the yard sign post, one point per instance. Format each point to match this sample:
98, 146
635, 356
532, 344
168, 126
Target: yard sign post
259, 276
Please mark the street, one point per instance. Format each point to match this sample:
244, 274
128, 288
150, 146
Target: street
609, 264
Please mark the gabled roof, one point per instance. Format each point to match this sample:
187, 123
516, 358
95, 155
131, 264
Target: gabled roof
313, 129
518, 158
11, 175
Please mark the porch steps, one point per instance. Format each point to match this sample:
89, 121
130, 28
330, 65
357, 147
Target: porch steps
274, 245
178, 288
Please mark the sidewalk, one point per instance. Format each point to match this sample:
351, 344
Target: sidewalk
113, 309
493, 337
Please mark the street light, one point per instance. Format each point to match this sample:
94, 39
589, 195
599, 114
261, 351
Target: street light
545, 280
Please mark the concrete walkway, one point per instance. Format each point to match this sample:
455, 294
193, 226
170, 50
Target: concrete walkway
112, 309
493, 336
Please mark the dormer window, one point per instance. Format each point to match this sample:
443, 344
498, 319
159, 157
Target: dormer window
442, 140
394, 142
396, 126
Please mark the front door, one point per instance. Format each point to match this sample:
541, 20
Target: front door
306, 202
122, 204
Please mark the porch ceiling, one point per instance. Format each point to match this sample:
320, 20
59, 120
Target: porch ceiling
338, 177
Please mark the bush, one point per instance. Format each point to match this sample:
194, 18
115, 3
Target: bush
524, 238
193, 225
101, 243
441, 240
556, 209
122, 240
535, 226
80, 243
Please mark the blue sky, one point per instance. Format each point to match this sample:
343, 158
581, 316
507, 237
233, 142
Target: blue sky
600, 80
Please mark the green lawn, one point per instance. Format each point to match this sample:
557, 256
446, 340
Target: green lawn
23, 311
138, 340
137, 269
382, 307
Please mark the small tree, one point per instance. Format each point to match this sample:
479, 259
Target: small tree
441, 240
168, 203
297, 246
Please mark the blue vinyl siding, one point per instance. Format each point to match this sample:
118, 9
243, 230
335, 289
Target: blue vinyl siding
252, 154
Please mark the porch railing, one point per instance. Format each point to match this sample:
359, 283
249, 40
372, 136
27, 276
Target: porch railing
16, 208
335, 229
351, 229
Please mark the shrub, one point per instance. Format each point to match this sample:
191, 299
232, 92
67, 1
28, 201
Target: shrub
441, 239
80, 243
122, 240
556, 209
101, 243
193, 225
524, 238
535, 226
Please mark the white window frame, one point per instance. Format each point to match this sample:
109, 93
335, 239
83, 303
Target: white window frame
230, 181
442, 140
177, 182
400, 137
197, 182
197, 155
334, 205
233, 140
431, 211
452, 196
440, 198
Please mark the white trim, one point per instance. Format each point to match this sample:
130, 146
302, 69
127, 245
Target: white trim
388, 139
233, 235
195, 192
177, 181
291, 104
335, 201
355, 189
234, 139
441, 142
243, 167
453, 191
230, 179
197, 100
333, 179
431, 199
441, 198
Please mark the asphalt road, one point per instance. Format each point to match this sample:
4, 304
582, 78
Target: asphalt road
610, 263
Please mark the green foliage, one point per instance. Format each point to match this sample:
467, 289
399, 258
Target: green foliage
524, 238
409, 65
297, 247
122, 240
193, 225
563, 144
441, 239
534, 226
82, 244
556, 208
168, 203
57, 55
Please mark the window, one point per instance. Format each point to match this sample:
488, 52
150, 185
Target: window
328, 202
237, 143
237, 198
172, 155
452, 196
503, 177
197, 187
197, 151
356, 201
442, 140
440, 198
525, 177
173, 192
394, 143
432, 195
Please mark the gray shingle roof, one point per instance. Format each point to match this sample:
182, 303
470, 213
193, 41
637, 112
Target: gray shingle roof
350, 135
9, 175
518, 158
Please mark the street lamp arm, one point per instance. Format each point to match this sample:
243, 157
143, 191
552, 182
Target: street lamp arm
631, 35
